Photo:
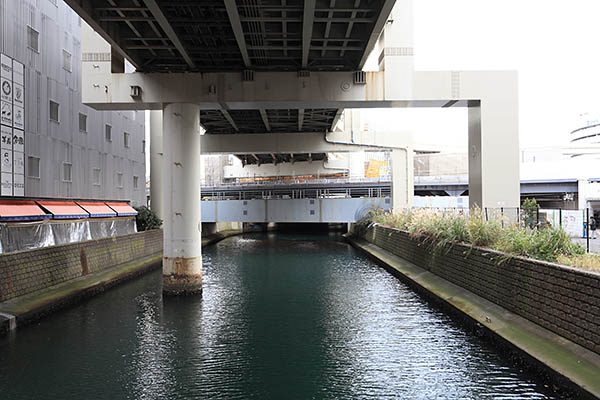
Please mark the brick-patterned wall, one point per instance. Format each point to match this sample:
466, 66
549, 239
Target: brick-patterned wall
27, 271
562, 299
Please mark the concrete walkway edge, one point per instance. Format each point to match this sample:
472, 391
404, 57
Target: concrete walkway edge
577, 366
33, 306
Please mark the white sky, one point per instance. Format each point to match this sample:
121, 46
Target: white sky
552, 44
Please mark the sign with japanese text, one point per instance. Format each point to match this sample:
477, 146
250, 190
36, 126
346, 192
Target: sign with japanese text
12, 123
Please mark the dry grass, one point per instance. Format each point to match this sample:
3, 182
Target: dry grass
546, 244
586, 261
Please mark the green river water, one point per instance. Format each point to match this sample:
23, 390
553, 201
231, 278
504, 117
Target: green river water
282, 316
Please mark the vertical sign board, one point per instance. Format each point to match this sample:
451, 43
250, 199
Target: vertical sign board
6, 118
12, 120
18, 129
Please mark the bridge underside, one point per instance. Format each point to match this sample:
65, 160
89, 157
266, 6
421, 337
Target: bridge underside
283, 68
230, 35
272, 158
241, 36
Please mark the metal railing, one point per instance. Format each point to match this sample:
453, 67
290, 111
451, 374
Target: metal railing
577, 223
294, 193
287, 180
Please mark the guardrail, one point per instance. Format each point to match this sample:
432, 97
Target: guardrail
251, 193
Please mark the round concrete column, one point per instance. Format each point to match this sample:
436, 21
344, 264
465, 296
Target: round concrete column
156, 158
182, 260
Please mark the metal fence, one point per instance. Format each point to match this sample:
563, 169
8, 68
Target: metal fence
258, 193
580, 224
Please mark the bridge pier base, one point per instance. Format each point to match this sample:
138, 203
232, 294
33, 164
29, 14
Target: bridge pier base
182, 260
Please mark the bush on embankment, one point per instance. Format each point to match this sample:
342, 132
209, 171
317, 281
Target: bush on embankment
546, 244
147, 219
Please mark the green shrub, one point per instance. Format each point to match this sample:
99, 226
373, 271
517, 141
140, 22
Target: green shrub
147, 219
529, 210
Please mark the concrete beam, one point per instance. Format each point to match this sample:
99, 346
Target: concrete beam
229, 118
336, 119
307, 29
271, 90
377, 29
168, 29
278, 143
265, 119
238, 32
85, 9
300, 119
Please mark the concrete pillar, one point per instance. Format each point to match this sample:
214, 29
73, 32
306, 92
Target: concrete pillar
396, 56
182, 260
494, 180
156, 159
403, 187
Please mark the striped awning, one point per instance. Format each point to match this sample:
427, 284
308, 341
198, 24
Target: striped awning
97, 209
63, 209
122, 209
21, 210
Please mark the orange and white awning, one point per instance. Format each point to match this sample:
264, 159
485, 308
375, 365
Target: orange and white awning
63, 209
21, 210
97, 209
122, 209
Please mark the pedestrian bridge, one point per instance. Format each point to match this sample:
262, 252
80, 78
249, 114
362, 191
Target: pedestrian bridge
292, 210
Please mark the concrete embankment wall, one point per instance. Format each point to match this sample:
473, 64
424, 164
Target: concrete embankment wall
28, 271
561, 299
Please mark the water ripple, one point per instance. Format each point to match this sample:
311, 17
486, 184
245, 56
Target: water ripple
281, 317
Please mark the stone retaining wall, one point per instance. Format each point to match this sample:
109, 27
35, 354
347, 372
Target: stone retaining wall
562, 299
31, 270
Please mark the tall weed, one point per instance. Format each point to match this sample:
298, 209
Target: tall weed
547, 244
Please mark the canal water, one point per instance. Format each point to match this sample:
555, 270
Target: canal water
282, 316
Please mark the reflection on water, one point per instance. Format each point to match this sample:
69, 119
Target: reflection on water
281, 317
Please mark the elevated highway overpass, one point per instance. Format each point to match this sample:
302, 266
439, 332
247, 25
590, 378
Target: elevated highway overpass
278, 67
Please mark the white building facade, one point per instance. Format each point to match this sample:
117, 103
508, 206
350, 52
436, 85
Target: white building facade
68, 150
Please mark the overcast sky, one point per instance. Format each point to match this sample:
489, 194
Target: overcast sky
553, 44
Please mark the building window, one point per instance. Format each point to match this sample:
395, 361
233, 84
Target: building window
82, 122
97, 176
33, 167
33, 39
125, 139
66, 60
54, 111
144, 146
119, 180
67, 172
135, 182
108, 133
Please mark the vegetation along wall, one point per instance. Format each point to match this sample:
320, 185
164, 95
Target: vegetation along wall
562, 299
